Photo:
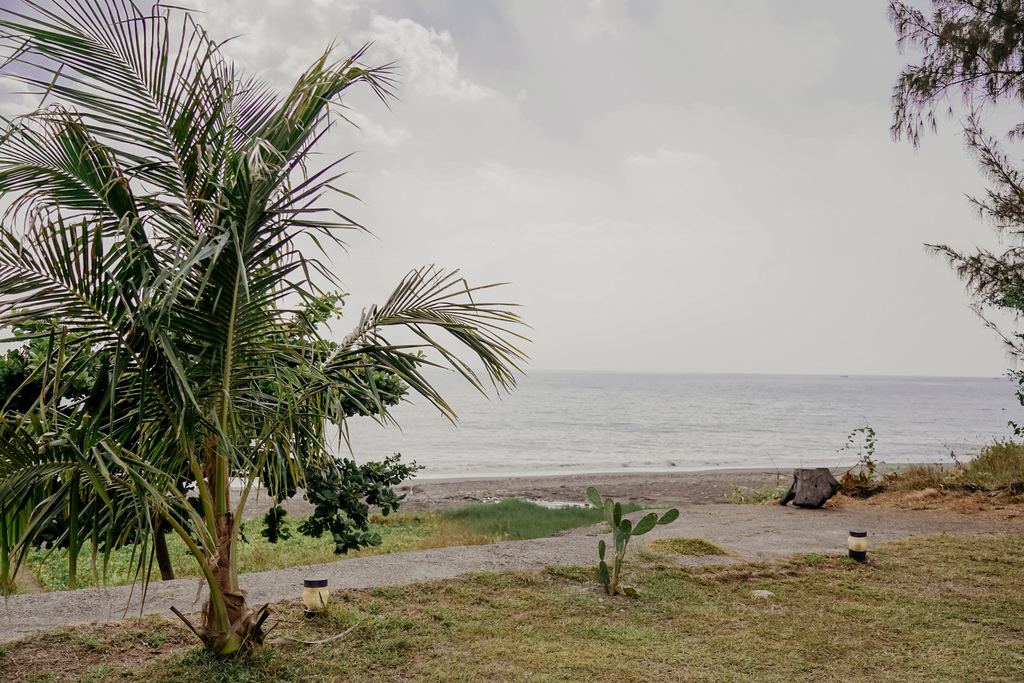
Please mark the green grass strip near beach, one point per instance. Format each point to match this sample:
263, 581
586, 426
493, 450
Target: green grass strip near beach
929, 608
514, 519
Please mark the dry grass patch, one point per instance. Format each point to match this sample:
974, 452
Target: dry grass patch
994, 505
991, 484
686, 546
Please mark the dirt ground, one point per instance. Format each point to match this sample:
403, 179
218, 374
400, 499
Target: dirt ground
755, 532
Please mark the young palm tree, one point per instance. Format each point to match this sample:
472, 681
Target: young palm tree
161, 216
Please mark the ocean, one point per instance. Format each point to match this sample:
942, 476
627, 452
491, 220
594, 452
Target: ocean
567, 422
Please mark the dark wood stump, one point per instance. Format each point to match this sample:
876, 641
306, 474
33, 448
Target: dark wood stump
811, 488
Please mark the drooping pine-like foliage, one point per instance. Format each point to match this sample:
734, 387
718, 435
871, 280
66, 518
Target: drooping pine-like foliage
972, 62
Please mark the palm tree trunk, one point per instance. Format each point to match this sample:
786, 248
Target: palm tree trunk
73, 535
163, 557
229, 624
245, 625
6, 580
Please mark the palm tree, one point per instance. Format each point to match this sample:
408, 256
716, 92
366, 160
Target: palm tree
161, 218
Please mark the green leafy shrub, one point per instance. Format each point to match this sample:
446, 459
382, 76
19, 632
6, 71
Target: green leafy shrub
343, 496
863, 471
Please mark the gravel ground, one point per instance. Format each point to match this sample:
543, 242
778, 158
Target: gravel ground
750, 531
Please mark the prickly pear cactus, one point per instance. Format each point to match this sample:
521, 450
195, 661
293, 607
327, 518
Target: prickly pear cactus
602, 568
622, 531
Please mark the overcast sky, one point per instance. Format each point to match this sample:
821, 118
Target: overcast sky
669, 186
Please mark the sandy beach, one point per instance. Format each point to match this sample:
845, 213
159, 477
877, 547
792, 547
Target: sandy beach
653, 488
656, 488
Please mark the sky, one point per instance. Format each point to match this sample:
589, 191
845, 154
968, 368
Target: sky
666, 185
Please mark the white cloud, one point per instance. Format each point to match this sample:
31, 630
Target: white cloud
676, 182
376, 133
427, 59
664, 158
12, 104
279, 40
596, 23
745, 49
498, 175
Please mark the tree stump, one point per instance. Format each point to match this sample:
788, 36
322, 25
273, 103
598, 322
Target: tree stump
811, 488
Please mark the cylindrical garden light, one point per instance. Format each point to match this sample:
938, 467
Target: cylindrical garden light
858, 544
315, 595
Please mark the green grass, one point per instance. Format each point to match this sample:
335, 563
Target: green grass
998, 464
399, 532
746, 495
514, 519
50, 567
937, 608
919, 477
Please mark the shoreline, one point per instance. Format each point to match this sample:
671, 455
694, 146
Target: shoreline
679, 488
625, 471
669, 488
696, 487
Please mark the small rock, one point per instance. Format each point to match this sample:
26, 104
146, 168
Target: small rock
762, 594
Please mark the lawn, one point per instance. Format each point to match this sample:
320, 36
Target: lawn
938, 608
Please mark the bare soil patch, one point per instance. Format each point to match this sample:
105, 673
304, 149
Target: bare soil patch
78, 651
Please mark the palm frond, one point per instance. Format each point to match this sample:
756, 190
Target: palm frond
428, 301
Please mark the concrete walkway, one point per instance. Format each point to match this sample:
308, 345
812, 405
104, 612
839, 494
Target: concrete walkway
753, 531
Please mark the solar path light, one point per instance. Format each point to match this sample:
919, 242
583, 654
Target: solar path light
858, 544
315, 595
